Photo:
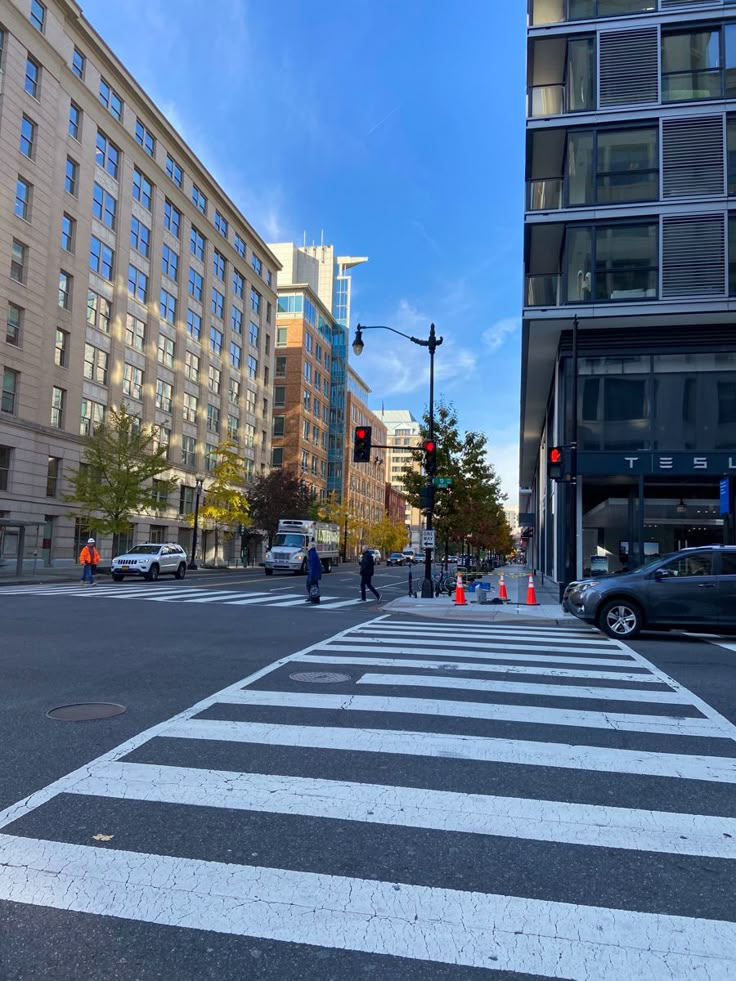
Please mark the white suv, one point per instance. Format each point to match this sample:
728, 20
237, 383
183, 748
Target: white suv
150, 560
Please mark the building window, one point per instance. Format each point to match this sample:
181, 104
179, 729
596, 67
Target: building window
232, 427
282, 336
75, 121
253, 332
167, 307
145, 138
196, 244
71, 176
157, 533
239, 245
58, 399
33, 77
279, 396
269, 312
611, 262
10, 390
210, 457
214, 379
307, 373
277, 456
132, 381
38, 15
65, 290
13, 324
101, 259
238, 283
79, 63
252, 367
95, 364
173, 170
256, 264
91, 417
188, 449
194, 324
612, 166
164, 395
235, 354
68, 232
218, 265
250, 401
279, 423
142, 189
107, 155
269, 277
165, 351
191, 366
213, 419
308, 342
170, 263
104, 206
190, 408
215, 340
236, 321
199, 200
172, 218
98, 311
698, 64
233, 391
135, 333
111, 100
140, 237
5, 456
218, 303
255, 300
195, 284
23, 192
27, 136
221, 224
280, 371
137, 284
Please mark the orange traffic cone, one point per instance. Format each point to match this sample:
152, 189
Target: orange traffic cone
531, 596
502, 594
459, 591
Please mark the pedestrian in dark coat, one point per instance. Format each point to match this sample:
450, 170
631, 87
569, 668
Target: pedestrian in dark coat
314, 568
367, 568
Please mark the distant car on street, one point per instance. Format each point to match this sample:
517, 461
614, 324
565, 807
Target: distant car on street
150, 560
376, 553
691, 589
410, 556
395, 558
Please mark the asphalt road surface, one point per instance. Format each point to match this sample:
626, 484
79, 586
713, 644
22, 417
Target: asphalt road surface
335, 792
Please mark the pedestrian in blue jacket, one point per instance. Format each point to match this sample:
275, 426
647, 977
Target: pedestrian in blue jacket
314, 568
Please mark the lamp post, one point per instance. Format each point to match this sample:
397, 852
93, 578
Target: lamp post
198, 492
431, 343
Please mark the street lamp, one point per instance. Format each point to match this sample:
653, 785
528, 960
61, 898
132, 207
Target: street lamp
431, 343
198, 492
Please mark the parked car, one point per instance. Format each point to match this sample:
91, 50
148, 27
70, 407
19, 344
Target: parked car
410, 556
376, 553
150, 560
395, 558
691, 589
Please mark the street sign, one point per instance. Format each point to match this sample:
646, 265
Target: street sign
442, 482
428, 539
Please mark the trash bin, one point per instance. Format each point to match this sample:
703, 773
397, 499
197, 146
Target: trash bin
481, 594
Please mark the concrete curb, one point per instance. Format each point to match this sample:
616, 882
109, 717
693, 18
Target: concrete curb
443, 609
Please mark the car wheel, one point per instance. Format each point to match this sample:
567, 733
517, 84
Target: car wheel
152, 574
181, 571
116, 578
269, 572
621, 618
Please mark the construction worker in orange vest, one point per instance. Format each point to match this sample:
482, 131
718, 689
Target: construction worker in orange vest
89, 558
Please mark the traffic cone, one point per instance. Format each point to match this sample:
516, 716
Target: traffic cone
459, 591
502, 594
531, 596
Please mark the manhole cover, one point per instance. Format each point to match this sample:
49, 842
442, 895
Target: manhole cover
320, 677
86, 711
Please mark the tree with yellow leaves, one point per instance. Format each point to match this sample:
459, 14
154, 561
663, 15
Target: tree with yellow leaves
225, 504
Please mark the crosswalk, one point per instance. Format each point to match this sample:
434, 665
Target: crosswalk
177, 593
497, 798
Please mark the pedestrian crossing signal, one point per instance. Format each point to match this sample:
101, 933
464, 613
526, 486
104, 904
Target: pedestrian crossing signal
555, 461
362, 444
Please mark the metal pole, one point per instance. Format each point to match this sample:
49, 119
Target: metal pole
427, 589
571, 489
195, 530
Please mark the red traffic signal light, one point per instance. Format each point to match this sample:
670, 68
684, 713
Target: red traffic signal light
555, 455
362, 444
430, 456
360, 433
429, 446
557, 462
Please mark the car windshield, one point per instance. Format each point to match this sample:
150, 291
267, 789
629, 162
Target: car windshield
143, 550
289, 540
396, 555
647, 566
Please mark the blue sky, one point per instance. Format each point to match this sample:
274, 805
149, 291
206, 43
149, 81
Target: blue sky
394, 127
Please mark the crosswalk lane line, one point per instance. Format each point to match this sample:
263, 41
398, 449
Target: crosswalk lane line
481, 666
481, 748
497, 645
508, 817
379, 630
488, 655
250, 600
490, 628
527, 688
676, 725
216, 596
427, 923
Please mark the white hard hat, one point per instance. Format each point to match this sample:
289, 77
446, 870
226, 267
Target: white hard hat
90, 541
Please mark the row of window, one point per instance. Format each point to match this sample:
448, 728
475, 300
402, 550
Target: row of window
311, 347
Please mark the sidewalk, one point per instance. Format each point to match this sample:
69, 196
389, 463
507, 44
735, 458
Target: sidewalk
516, 578
44, 576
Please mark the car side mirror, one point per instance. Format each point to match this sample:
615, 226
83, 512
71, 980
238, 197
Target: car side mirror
662, 574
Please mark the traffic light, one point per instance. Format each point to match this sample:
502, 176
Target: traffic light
560, 462
430, 457
362, 444
426, 497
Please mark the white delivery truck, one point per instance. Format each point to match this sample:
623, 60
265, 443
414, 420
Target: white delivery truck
289, 550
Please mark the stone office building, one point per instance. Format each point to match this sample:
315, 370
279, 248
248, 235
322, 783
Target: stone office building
630, 227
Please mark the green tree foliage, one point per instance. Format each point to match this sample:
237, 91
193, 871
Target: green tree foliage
121, 474
225, 501
388, 535
473, 504
275, 496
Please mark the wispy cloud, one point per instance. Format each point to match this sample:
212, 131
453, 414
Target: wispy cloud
496, 336
382, 121
426, 236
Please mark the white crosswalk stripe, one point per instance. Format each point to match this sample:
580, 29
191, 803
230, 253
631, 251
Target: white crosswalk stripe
486, 741
197, 595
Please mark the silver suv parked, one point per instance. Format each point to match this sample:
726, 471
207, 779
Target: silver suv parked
691, 589
151, 560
